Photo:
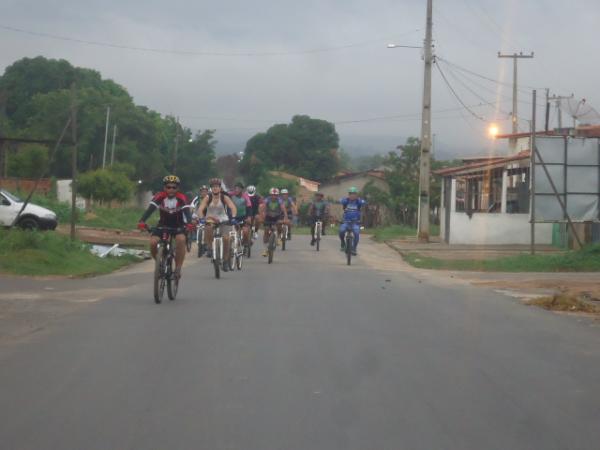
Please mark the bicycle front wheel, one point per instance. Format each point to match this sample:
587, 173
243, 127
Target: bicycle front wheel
172, 280
159, 276
271, 246
349, 247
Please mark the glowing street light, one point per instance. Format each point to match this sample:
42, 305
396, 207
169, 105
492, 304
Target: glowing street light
493, 130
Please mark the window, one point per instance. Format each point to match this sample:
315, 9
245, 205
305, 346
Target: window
461, 188
480, 192
4, 201
517, 190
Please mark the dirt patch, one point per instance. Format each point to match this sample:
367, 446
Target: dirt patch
565, 303
107, 236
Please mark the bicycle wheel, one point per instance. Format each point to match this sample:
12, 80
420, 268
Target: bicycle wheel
349, 247
217, 259
172, 281
283, 238
271, 246
239, 260
188, 241
318, 239
231, 258
159, 279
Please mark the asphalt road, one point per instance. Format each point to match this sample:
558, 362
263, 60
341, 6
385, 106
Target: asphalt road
304, 354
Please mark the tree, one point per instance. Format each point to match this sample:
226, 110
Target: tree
196, 159
228, 167
306, 147
30, 161
105, 185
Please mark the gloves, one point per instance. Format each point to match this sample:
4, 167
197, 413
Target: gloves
190, 226
233, 222
142, 226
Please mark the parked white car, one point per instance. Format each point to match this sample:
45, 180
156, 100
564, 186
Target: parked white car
33, 217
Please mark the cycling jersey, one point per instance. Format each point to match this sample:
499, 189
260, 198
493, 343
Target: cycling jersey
318, 209
242, 203
255, 201
174, 211
352, 209
273, 209
288, 205
217, 210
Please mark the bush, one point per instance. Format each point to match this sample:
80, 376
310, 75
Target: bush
267, 181
105, 185
30, 161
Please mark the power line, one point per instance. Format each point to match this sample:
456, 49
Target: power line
198, 53
473, 113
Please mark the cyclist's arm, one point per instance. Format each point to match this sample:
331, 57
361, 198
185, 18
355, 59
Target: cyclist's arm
284, 210
294, 208
202, 207
151, 208
187, 213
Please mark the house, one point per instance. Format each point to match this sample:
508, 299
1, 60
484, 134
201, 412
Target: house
486, 201
306, 188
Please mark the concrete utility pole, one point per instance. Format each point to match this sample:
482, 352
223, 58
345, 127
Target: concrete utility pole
106, 136
176, 149
558, 99
112, 151
515, 118
424, 167
73, 159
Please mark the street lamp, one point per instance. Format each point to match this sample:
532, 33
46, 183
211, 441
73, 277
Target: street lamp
493, 130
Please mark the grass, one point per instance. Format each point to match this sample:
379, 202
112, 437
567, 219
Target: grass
47, 253
564, 303
399, 231
117, 218
586, 260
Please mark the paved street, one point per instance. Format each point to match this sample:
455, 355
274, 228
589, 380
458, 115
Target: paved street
304, 354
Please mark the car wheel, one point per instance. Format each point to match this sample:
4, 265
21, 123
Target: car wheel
29, 223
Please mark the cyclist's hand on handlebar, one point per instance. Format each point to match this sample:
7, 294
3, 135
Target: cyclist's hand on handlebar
202, 221
142, 226
190, 227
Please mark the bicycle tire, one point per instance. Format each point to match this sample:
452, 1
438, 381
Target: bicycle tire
283, 240
231, 259
239, 261
349, 246
318, 238
188, 241
217, 261
159, 281
172, 281
271, 246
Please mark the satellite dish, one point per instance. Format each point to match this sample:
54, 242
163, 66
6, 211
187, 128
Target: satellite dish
581, 111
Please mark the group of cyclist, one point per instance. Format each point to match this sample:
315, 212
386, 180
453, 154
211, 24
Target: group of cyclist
243, 207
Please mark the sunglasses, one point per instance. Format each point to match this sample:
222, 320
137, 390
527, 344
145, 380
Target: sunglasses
171, 187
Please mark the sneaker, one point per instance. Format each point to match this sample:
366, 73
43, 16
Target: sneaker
225, 266
209, 253
342, 247
177, 274
255, 235
354, 253
265, 253
312, 242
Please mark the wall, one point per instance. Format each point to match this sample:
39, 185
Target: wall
25, 185
496, 229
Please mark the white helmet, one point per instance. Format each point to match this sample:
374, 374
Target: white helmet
251, 190
285, 191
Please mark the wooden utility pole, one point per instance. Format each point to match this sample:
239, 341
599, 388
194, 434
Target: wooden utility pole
515, 117
73, 159
112, 151
106, 136
425, 159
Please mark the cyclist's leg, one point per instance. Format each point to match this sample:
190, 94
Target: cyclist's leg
356, 232
179, 250
246, 231
208, 238
343, 228
154, 245
312, 230
225, 229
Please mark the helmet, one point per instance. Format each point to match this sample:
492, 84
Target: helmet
203, 188
319, 194
285, 191
274, 191
214, 182
239, 184
352, 190
171, 179
251, 190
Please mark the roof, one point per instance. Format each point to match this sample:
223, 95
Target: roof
292, 177
492, 162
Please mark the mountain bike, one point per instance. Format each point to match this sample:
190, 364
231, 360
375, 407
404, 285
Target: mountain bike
217, 250
236, 250
200, 240
188, 240
164, 264
317, 234
349, 241
285, 231
271, 240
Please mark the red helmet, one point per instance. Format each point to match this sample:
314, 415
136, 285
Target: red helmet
274, 191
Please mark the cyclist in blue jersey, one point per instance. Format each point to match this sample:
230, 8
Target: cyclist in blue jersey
351, 219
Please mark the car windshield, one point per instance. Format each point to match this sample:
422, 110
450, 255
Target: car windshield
12, 197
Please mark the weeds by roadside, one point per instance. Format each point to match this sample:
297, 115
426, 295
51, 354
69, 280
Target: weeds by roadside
564, 303
48, 253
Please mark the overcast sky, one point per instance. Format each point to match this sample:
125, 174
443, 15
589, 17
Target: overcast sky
354, 78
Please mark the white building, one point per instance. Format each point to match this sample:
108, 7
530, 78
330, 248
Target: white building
486, 201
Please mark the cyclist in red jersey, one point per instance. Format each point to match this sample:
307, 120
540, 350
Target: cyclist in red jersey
175, 212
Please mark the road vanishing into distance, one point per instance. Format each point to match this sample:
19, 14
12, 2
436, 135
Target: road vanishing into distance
307, 353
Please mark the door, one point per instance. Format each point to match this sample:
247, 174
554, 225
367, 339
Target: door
7, 212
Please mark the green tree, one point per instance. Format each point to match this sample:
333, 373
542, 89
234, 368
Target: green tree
30, 161
105, 185
306, 147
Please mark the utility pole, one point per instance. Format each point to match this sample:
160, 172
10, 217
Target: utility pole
73, 159
174, 170
106, 136
547, 121
515, 118
112, 151
424, 165
558, 99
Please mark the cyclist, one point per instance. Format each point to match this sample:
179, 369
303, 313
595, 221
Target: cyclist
318, 210
256, 200
202, 192
217, 210
351, 218
272, 212
243, 205
291, 209
175, 212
